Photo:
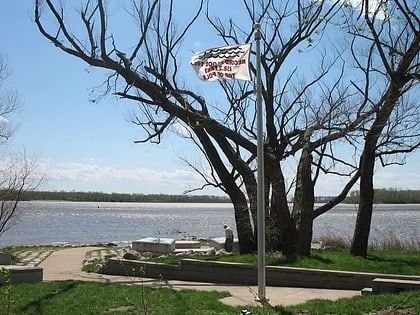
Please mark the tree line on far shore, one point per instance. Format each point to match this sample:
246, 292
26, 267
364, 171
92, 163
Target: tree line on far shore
386, 195
389, 195
119, 197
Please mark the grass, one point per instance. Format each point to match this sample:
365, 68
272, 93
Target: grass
404, 303
378, 261
74, 297
77, 297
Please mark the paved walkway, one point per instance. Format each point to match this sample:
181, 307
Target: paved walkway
66, 264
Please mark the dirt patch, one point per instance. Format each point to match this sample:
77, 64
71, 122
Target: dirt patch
126, 308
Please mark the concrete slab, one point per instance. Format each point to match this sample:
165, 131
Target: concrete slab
187, 244
219, 243
154, 245
277, 296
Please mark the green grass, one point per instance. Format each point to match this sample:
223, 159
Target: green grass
74, 297
378, 261
392, 303
77, 297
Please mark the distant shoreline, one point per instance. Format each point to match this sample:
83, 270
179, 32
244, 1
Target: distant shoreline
382, 196
119, 197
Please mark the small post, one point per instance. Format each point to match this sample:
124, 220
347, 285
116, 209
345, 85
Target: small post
260, 174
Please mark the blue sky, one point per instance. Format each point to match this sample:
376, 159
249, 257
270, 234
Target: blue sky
88, 146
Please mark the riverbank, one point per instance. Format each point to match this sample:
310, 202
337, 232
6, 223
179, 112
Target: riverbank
78, 223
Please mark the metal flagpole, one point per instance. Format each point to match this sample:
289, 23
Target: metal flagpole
260, 174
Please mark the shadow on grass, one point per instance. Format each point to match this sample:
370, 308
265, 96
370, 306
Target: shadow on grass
36, 306
396, 260
406, 260
321, 259
293, 260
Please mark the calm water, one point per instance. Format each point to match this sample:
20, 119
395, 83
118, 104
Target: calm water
47, 222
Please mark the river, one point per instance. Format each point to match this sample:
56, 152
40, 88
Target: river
79, 223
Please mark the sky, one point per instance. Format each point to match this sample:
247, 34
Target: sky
89, 146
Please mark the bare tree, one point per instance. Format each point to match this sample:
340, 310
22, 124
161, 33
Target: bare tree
16, 174
310, 115
9, 104
389, 32
226, 134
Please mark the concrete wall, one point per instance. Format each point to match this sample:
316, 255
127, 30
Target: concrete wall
380, 285
245, 274
5, 259
22, 274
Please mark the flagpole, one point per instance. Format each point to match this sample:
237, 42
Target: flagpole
260, 174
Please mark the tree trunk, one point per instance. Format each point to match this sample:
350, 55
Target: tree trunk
384, 107
246, 238
280, 232
303, 204
360, 240
247, 241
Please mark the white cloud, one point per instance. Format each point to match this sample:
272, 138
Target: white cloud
397, 177
3, 120
94, 177
374, 7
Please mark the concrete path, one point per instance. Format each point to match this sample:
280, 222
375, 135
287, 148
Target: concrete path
66, 264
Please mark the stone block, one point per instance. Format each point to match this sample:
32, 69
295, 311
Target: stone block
384, 285
22, 274
154, 244
219, 243
5, 259
366, 291
187, 244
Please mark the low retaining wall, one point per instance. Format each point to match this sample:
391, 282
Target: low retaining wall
380, 285
22, 274
245, 274
5, 259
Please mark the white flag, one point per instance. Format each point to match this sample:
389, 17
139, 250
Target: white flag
224, 62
